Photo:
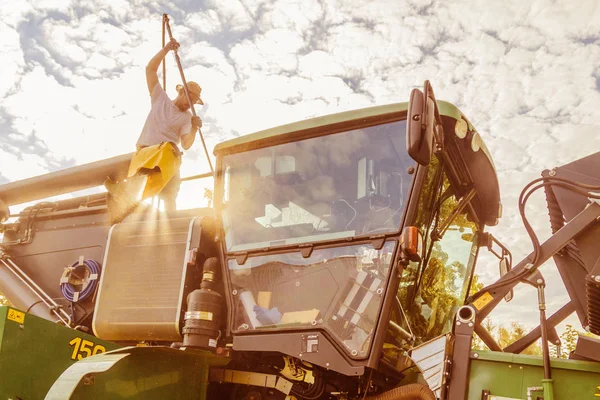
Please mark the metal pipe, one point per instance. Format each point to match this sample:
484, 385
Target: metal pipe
406, 336
38, 291
164, 65
545, 349
42, 299
187, 93
533, 389
487, 338
548, 385
21, 296
199, 176
65, 181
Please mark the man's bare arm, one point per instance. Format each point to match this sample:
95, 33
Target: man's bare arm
187, 140
152, 67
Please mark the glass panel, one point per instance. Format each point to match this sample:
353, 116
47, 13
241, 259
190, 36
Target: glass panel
342, 185
339, 289
431, 295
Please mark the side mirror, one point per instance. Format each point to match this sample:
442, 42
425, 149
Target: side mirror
419, 127
502, 253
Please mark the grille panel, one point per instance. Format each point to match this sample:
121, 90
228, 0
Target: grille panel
142, 281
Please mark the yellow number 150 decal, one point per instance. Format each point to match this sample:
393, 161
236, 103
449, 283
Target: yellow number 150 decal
84, 348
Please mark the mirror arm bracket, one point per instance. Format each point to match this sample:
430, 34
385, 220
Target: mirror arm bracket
438, 133
438, 129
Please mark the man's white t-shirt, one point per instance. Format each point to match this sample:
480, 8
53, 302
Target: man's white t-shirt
165, 122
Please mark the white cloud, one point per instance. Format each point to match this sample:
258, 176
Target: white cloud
233, 14
294, 15
12, 58
53, 5
272, 52
319, 63
206, 22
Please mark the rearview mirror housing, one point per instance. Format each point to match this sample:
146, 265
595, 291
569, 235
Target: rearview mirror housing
420, 125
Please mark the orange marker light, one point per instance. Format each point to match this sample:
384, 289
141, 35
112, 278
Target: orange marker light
411, 243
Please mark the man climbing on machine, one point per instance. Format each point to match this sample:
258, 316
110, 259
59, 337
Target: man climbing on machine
168, 124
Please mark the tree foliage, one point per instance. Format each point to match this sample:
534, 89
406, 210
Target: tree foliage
476, 286
505, 335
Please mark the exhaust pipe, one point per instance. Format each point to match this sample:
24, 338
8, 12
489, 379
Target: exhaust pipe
414, 391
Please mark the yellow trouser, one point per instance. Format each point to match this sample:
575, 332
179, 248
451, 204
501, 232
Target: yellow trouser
160, 162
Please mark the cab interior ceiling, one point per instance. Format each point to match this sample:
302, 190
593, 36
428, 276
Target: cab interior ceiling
471, 169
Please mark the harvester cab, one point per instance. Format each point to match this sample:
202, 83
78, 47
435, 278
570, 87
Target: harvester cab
335, 264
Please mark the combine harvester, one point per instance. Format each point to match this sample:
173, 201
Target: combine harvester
335, 264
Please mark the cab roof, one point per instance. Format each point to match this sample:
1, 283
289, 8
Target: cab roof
282, 133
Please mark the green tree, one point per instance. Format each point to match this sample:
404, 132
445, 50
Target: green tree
476, 286
477, 343
505, 335
568, 341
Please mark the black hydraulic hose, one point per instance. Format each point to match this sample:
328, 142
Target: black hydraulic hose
567, 184
527, 191
544, 334
313, 392
414, 391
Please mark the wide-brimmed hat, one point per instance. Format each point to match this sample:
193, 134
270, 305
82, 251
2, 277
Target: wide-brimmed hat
193, 87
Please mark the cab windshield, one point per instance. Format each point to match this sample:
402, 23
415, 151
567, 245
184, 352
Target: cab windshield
339, 289
347, 184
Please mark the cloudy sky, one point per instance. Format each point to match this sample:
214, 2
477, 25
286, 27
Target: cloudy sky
525, 72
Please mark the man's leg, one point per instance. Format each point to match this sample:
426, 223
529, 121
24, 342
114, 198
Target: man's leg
170, 191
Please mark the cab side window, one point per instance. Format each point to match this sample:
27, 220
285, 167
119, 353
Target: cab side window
432, 290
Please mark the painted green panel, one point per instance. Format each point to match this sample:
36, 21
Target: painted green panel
35, 352
537, 361
139, 373
509, 375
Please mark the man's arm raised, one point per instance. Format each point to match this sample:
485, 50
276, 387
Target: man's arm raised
152, 67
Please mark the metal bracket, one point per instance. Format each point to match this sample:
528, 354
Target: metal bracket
251, 378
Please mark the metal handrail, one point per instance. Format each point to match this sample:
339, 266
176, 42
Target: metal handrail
53, 306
